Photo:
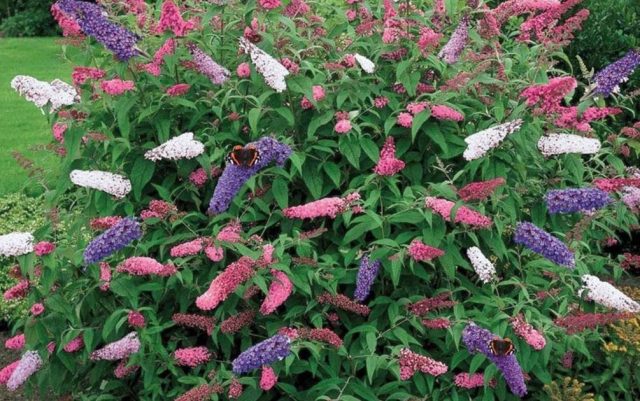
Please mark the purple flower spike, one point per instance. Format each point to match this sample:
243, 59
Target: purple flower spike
117, 237
608, 79
545, 244
233, 177
264, 353
93, 22
366, 275
451, 52
206, 66
573, 200
477, 339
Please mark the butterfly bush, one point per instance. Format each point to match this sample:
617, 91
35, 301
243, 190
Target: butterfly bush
397, 145
477, 339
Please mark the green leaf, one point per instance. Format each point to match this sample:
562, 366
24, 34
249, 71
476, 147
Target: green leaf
140, 175
280, 192
333, 171
350, 147
418, 120
254, 116
286, 113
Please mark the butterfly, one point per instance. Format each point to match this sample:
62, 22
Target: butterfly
244, 156
501, 347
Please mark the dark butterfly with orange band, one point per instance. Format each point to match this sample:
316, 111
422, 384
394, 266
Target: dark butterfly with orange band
501, 347
243, 156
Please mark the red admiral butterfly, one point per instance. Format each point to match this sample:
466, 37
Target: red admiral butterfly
244, 156
501, 347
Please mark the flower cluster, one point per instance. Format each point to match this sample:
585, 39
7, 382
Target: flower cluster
204, 323
529, 334
579, 322
469, 381
422, 252
326, 207
233, 177
129, 344
180, 147
56, 94
485, 270
410, 363
268, 378
545, 244
608, 79
113, 184
235, 323
15, 342
451, 52
388, 164
606, 294
207, 67
263, 353
557, 144
482, 142
273, 72
116, 87
16, 244
279, 291
367, 273
343, 302
573, 200
477, 339
29, 363
112, 240
479, 190
440, 301
191, 357
170, 19
226, 282
93, 23
463, 214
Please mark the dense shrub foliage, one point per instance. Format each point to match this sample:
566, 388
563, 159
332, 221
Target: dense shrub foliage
312, 200
26, 18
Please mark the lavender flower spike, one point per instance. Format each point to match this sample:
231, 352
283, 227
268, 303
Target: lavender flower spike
545, 244
454, 47
117, 350
573, 200
233, 177
117, 237
608, 79
93, 22
29, 364
206, 66
264, 353
366, 275
477, 339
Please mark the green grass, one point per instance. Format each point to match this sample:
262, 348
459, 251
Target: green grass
22, 125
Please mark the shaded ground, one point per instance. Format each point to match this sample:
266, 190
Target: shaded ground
22, 125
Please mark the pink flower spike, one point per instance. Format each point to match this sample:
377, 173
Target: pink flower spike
343, 126
140, 266
16, 342
192, 357
388, 165
7, 371
230, 232
190, 248
464, 215
479, 190
105, 276
410, 363
326, 207
318, 93
279, 291
236, 389
37, 309
18, 291
525, 331
405, 120
442, 112
470, 381
122, 370
136, 319
269, 4
243, 70
422, 252
268, 378
44, 248
74, 345
226, 283
178, 90
214, 253
116, 87
170, 19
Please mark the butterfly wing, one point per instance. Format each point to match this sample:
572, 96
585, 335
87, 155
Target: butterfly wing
500, 347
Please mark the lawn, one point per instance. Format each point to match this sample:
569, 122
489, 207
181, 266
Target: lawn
22, 125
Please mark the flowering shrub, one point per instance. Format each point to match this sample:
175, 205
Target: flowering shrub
312, 200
